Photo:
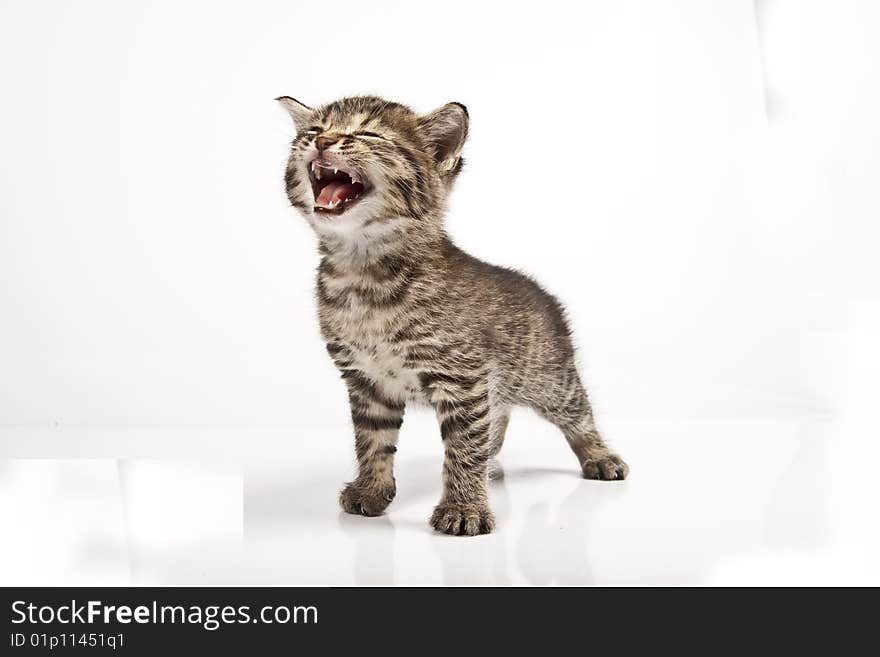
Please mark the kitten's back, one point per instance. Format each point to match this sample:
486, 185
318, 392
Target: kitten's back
520, 316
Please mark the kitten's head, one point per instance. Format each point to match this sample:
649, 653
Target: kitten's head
364, 161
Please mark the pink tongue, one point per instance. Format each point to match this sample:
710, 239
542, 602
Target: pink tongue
337, 192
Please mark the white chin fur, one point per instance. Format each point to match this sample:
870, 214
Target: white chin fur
350, 222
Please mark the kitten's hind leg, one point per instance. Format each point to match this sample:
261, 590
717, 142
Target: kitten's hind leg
597, 461
574, 416
499, 416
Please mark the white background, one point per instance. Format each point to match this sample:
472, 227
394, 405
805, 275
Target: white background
696, 180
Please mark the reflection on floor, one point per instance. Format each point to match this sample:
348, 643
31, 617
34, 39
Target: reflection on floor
708, 502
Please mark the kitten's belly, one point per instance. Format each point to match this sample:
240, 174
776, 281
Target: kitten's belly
384, 365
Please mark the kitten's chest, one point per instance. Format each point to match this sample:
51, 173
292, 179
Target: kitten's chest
366, 334
365, 315
385, 365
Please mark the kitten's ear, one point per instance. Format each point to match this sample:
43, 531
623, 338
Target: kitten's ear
445, 130
298, 112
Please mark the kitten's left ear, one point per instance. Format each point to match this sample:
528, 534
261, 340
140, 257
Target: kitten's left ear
445, 130
298, 112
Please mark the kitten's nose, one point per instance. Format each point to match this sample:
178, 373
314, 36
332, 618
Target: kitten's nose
325, 141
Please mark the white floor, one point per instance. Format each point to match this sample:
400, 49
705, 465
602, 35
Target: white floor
760, 501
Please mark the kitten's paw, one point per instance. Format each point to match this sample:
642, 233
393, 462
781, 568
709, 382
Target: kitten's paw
606, 468
366, 499
463, 519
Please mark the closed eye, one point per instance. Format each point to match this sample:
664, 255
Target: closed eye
314, 130
369, 134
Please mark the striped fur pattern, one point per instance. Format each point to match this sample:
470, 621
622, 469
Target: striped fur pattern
408, 317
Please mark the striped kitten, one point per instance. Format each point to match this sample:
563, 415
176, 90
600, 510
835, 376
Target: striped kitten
408, 316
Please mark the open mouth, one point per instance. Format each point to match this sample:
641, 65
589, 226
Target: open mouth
336, 188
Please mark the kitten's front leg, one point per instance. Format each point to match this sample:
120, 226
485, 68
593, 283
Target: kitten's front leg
464, 426
377, 422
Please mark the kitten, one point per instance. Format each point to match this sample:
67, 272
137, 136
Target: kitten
408, 316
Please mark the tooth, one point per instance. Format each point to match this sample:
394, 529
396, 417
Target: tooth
318, 173
335, 171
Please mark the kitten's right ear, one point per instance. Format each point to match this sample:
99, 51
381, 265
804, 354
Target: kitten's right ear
445, 130
298, 112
